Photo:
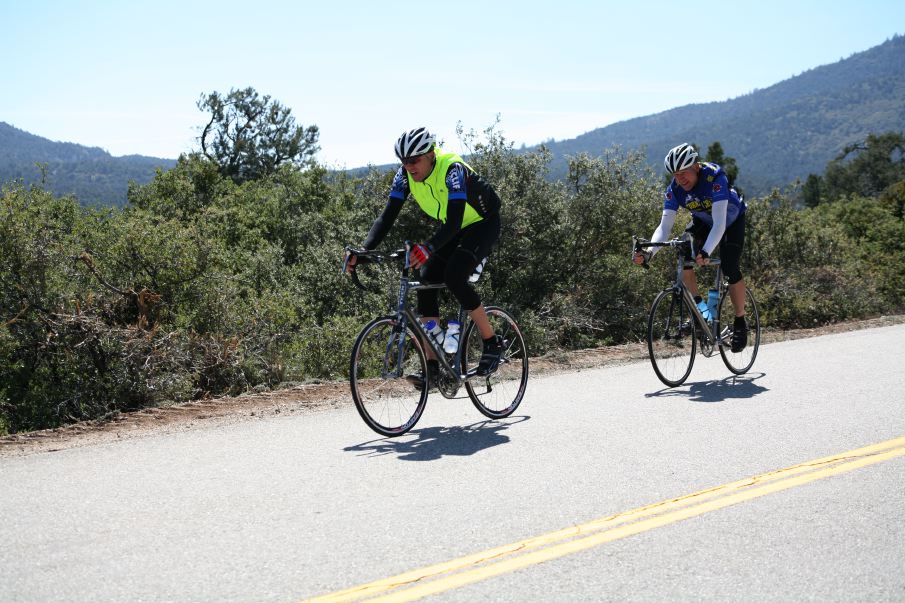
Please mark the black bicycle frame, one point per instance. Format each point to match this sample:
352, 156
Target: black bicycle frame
406, 315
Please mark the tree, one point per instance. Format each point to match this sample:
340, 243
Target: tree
716, 155
249, 136
812, 190
868, 167
894, 197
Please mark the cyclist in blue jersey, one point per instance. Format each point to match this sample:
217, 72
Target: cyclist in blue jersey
468, 209
718, 218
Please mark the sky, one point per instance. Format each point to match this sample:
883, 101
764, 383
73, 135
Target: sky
126, 76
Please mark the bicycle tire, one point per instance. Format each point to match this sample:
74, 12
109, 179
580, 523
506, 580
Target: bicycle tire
740, 362
387, 402
498, 394
671, 337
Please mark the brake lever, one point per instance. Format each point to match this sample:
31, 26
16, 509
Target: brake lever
639, 249
345, 267
354, 276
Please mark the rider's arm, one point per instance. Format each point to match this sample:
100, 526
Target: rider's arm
455, 207
667, 220
381, 226
718, 212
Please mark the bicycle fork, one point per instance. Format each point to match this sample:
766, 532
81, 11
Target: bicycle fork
394, 356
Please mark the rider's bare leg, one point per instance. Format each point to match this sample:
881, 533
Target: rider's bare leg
737, 295
691, 282
479, 316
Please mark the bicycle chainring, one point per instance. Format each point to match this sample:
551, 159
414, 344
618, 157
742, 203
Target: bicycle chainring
447, 385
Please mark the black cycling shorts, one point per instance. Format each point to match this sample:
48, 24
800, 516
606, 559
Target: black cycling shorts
730, 246
453, 263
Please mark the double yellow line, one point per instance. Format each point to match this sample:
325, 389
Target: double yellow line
448, 575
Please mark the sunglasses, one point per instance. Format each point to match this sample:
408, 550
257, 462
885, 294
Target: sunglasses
412, 160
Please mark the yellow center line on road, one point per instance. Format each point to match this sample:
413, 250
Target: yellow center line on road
452, 574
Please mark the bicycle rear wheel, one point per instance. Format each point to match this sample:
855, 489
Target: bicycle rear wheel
671, 340
739, 362
382, 357
498, 394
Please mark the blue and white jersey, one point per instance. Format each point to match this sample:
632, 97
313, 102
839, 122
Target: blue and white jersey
712, 186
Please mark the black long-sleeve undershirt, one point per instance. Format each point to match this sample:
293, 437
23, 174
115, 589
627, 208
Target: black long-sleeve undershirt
455, 212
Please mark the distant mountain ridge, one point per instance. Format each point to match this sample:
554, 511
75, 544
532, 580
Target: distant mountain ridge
92, 174
776, 134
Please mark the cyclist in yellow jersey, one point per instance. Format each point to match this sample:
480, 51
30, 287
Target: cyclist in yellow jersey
468, 209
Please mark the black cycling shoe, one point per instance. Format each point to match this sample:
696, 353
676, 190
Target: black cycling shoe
739, 339
417, 379
490, 357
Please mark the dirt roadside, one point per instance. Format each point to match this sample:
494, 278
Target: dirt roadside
312, 397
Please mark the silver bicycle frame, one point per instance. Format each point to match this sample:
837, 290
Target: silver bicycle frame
708, 328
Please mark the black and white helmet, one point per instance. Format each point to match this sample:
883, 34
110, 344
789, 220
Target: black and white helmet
414, 142
681, 157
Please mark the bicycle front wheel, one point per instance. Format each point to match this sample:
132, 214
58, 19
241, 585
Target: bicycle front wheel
498, 394
671, 340
742, 361
382, 358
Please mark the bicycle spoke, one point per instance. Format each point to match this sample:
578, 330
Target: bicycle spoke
742, 361
671, 340
498, 394
380, 372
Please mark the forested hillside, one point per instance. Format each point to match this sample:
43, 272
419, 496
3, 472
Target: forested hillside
92, 174
778, 134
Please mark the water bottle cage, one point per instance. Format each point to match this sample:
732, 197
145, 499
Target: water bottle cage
713, 298
434, 332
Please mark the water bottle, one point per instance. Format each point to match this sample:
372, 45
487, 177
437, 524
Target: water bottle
704, 310
434, 330
713, 298
451, 343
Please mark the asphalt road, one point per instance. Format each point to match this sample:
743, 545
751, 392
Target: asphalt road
291, 507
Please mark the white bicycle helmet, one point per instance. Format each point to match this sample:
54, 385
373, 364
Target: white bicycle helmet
414, 142
679, 158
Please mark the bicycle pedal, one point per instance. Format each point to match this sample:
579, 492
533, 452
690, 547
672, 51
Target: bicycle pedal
473, 374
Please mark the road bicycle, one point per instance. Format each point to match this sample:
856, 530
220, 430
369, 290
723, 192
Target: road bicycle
675, 326
391, 349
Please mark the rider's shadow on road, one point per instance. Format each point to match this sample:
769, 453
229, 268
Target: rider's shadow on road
736, 387
434, 443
